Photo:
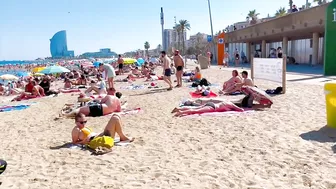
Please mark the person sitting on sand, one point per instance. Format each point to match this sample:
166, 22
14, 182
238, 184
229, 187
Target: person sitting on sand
100, 89
207, 108
229, 85
81, 81
67, 84
105, 106
83, 135
37, 91
197, 75
237, 86
45, 84
2, 89
136, 73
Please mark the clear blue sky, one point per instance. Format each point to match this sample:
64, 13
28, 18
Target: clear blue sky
27, 26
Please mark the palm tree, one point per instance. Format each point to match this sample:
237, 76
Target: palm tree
184, 25
290, 5
147, 46
280, 12
254, 16
177, 29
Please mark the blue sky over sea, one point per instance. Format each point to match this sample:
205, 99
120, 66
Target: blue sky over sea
27, 26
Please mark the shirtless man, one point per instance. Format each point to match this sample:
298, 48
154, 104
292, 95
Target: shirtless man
237, 86
83, 135
179, 64
107, 105
120, 64
166, 70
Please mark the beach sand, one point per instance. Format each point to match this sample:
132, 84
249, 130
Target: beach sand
287, 146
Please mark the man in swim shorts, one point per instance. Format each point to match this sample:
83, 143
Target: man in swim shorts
120, 64
109, 73
166, 69
83, 135
179, 64
105, 106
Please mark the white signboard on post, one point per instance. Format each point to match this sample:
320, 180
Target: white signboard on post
270, 69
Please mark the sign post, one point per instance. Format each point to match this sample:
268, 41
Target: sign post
330, 40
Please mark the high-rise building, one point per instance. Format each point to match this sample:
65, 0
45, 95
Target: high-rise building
167, 38
59, 47
171, 38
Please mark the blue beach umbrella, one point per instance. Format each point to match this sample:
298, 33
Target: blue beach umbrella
22, 74
140, 61
54, 69
96, 64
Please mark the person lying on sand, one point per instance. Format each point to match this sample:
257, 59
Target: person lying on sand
99, 89
83, 135
105, 106
206, 108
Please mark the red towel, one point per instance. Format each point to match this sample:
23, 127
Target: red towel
197, 95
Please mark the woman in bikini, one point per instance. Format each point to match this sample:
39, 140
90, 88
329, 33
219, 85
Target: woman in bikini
83, 135
36, 92
207, 107
229, 85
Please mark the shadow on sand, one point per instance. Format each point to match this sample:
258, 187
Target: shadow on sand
323, 135
152, 91
70, 145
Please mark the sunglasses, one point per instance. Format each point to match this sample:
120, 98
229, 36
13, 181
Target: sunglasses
82, 122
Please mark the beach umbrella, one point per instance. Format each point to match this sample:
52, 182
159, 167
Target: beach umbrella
8, 77
54, 69
23, 74
96, 64
154, 60
38, 74
140, 61
129, 60
38, 69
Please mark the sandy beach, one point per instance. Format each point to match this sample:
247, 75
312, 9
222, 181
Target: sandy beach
287, 146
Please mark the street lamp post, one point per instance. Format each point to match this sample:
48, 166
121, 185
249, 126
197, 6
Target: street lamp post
213, 42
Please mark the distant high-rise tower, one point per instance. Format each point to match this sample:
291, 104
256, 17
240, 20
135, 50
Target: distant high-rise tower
167, 38
59, 47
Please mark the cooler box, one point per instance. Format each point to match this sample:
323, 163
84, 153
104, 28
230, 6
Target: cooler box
330, 92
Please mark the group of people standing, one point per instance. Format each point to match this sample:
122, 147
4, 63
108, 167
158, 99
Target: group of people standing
167, 71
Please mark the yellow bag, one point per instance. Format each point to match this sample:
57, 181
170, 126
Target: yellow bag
102, 141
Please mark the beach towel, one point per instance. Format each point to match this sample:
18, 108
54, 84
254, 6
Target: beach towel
227, 113
132, 87
14, 107
211, 85
198, 95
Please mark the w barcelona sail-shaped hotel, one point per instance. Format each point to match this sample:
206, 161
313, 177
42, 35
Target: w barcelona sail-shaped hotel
300, 33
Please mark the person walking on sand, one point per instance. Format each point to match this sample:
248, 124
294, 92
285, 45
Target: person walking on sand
179, 64
166, 69
120, 64
109, 73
